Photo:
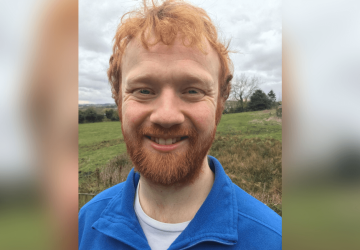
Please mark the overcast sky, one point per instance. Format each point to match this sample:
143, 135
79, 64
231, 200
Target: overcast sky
254, 27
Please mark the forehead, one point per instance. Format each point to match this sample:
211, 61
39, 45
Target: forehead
176, 57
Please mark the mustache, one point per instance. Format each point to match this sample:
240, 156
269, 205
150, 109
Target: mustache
174, 131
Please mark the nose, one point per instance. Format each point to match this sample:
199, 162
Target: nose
167, 112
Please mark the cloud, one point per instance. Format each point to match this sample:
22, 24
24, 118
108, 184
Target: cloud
95, 96
254, 27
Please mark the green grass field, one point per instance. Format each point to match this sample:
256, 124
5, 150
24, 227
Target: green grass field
99, 143
260, 124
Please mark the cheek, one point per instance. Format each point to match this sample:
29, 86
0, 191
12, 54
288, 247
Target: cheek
133, 114
203, 116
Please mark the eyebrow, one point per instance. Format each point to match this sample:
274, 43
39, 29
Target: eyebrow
184, 78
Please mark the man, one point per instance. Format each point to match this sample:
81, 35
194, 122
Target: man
170, 78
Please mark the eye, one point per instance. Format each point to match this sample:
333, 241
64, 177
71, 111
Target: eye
193, 91
194, 94
144, 91
143, 94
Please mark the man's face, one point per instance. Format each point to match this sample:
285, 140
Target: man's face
169, 100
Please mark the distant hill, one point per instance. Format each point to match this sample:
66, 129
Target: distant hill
105, 105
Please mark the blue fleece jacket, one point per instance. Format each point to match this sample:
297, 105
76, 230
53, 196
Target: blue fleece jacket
228, 219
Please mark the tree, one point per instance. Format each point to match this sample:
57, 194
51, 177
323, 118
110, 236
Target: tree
99, 117
91, 115
243, 87
259, 101
81, 116
115, 117
109, 113
272, 97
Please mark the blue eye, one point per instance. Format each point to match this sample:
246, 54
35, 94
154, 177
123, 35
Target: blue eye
144, 91
193, 94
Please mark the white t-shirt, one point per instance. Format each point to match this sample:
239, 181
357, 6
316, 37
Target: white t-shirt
158, 234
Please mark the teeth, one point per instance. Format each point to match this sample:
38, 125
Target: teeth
164, 141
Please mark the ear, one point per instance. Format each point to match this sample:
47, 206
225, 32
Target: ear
229, 78
227, 87
223, 96
219, 110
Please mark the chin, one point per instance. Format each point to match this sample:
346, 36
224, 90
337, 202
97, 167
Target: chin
180, 167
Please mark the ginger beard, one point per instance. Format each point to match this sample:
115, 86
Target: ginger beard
180, 167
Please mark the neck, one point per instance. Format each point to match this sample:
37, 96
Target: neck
176, 204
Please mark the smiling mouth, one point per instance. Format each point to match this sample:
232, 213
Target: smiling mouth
168, 141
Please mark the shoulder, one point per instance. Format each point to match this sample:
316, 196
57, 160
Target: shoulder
258, 218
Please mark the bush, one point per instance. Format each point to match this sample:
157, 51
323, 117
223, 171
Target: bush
279, 111
81, 116
115, 117
92, 183
90, 115
109, 113
99, 117
259, 101
116, 171
237, 109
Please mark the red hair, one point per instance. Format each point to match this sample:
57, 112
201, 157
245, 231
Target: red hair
166, 21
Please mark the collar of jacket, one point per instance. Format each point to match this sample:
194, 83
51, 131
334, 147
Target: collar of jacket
216, 220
